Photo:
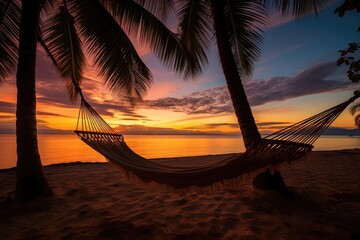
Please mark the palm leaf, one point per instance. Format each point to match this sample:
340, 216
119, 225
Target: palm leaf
47, 5
151, 31
113, 53
63, 42
47, 51
299, 8
160, 8
355, 108
10, 13
357, 120
356, 112
195, 27
244, 21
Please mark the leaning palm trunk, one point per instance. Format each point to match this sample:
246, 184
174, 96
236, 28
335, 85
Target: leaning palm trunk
239, 100
31, 180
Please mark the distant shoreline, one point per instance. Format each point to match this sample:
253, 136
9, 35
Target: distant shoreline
175, 134
192, 158
58, 148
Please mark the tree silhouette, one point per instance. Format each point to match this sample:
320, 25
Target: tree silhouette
350, 55
65, 29
237, 27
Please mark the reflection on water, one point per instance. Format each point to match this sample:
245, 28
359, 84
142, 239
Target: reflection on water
173, 146
54, 148
58, 148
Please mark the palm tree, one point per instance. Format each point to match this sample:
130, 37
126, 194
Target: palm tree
65, 28
237, 27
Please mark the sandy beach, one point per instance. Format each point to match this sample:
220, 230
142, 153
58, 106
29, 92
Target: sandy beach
92, 202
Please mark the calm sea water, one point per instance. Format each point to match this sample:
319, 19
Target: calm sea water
59, 148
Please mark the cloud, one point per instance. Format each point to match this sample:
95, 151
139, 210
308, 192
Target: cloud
45, 70
109, 107
214, 101
51, 89
6, 118
276, 18
6, 107
42, 113
7, 127
210, 101
264, 127
232, 125
269, 127
144, 130
267, 124
316, 79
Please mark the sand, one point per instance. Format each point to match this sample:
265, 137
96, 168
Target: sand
92, 202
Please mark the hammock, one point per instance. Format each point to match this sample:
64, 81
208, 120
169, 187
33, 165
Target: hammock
286, 145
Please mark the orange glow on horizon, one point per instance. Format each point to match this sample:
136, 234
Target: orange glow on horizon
270, 116
64, 118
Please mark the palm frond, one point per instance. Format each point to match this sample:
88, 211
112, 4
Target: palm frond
195, 27
357, 120
47, 5
63, 42
151, 31
10, 13
48, 52
355, 110
114, 54
298, 8
244, 21
160, 8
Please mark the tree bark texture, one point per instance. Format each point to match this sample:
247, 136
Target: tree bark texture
239, 100
31, 181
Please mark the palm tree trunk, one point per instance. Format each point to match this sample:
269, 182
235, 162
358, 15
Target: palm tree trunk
31, 181
241, 105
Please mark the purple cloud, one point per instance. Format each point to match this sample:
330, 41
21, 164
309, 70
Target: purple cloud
51, 89
7, 107
144, 130
267, 124
211, 101
316, 79
232, 125
42, 113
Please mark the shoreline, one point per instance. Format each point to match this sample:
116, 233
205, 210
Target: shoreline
213, 157
92, 201
69, 148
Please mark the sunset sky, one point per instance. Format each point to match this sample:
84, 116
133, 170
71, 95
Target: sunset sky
296, 77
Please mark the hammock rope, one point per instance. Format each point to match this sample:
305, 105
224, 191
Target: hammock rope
286, 145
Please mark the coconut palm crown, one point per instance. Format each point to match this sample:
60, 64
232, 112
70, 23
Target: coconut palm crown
66, 29
236, 26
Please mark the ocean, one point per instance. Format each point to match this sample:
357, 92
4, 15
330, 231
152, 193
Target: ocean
61, 148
